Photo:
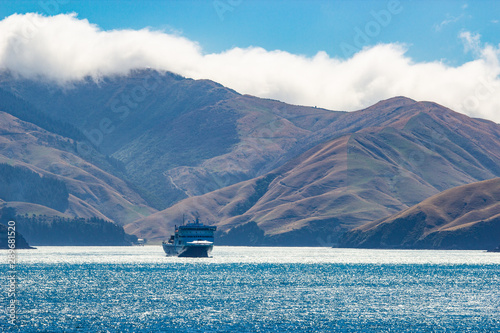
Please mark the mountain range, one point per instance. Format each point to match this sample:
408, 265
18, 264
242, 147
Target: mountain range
401, 153
177, 137
146, 149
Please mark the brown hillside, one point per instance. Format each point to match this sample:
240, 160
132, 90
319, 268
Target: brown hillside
93, 192
464, 217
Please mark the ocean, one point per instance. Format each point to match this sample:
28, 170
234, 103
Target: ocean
252, 289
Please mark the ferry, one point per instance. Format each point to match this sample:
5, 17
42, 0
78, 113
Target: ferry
193, 239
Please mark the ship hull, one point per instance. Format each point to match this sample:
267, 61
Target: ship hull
188, 251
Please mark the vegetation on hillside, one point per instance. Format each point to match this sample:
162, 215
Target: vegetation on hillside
20, 184
23, 110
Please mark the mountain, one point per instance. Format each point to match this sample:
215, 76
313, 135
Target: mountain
384, 159
284, 174
43, 174
464, 217
178, 137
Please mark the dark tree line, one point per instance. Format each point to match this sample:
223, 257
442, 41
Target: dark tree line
58, 231
21, 184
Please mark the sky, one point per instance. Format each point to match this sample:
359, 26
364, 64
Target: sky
340, 55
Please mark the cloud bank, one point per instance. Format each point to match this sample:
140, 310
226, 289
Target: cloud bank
64, 48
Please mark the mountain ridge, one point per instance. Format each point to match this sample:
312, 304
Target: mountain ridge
160, 125
464, 217
358, 177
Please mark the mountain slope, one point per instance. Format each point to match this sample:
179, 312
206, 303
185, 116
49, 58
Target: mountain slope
400, 153
4, 239
91, 192
173, 133
464, 217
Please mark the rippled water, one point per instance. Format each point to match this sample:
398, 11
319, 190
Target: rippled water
243, 289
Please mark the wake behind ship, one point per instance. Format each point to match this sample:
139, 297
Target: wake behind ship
191, 240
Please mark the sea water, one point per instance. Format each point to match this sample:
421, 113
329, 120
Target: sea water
253, 289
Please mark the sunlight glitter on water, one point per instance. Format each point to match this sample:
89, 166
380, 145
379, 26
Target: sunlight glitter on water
245, 289
228, 254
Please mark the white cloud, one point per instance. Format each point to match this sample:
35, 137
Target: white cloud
64, 48
448, 21
471, 41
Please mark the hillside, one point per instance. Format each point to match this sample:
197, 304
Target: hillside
73, 186
464, 217
20, 243
6, 228
24, 185
400, 153
178, 137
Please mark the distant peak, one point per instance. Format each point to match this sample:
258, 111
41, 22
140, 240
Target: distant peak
396, 101
392, 103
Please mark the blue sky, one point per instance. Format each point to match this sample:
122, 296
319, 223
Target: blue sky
340, 55
430, 29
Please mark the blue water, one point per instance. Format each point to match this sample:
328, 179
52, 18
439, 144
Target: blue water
242, 289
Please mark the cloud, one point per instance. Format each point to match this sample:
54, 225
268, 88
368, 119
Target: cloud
449, 20
471, 41
64, 48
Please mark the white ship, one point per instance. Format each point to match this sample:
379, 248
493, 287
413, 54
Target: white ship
191, 240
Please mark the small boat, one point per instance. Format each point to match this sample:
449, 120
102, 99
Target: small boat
191, 240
